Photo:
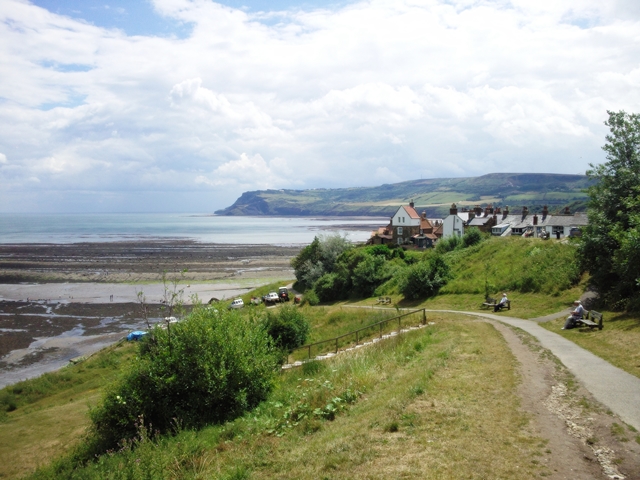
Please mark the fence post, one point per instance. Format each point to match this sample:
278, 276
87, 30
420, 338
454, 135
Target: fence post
424, 316
309, 352
336, 344
357, 342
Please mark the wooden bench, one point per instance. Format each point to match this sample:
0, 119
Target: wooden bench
591, 319
491, 303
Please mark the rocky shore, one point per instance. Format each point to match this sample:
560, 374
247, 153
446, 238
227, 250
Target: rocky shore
60, 302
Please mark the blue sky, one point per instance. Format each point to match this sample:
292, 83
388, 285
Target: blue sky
182, 105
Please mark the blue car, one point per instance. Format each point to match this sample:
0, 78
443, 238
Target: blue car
135, 336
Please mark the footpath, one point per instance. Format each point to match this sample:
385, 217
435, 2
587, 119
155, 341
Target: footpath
611, 386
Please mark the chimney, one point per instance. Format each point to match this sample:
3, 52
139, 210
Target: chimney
506, 210
567, 211
453, 210
525, 211
411, 203
535, 219
545, 212
424, 214
472, 215
490, 207
478, 210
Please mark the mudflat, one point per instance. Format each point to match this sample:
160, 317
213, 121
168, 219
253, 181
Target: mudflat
60, 302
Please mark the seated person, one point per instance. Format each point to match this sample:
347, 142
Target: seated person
572, 320
501, 304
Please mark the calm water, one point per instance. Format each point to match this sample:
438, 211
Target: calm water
74, 228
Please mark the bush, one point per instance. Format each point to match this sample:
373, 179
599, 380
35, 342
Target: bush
212, 366
424, 279
288, 328
369, 274
310, 297
471, 237
330, 287
448, 244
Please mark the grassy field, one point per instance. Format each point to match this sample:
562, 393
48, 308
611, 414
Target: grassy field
429, 404
439, 402
49, 413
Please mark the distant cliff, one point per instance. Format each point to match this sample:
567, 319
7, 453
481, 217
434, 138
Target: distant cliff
434, 196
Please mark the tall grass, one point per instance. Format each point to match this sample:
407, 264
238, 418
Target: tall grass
513, 264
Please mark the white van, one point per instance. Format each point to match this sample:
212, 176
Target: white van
237, 303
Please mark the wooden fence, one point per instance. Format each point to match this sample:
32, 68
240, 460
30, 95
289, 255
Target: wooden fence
356, 336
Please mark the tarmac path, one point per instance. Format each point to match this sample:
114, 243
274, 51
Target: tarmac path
611, 386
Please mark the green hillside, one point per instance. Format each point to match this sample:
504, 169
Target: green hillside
433, 195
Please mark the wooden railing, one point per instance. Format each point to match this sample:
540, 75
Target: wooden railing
360, 334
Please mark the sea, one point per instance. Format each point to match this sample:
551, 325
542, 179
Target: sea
206, 228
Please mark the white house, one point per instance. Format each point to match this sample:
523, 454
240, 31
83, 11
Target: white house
454, 223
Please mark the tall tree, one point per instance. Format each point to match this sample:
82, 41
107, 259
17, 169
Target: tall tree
610, 248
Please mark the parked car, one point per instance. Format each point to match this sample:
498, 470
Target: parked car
283, 293
575, 232
237, 303
271, 297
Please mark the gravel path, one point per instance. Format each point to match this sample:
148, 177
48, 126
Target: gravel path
613, 387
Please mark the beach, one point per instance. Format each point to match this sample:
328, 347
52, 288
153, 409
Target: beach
61, 302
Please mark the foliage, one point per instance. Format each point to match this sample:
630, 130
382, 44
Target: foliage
370, 273
610, 246
471, 237
288, 327
513, 264
425, 279
310, 298
318, 258
331, 286
448, 244
211, 367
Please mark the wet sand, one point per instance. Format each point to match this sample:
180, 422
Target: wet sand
60, 302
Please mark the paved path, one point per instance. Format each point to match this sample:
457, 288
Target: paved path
613, 387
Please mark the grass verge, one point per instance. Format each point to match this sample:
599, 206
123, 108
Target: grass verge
435, 403
617, 342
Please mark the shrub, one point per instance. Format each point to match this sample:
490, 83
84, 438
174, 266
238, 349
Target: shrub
369, 274
211, 367
471, 237
310, 297
331, 286
424, 279
448, 244
288, 328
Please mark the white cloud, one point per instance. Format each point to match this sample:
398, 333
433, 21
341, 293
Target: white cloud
373, 92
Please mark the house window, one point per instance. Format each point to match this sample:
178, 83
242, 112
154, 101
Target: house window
399, 230
555, 230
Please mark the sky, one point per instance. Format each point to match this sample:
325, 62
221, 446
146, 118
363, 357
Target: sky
183, 105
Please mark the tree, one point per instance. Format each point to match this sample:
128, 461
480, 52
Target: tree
318, 258
610, 247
